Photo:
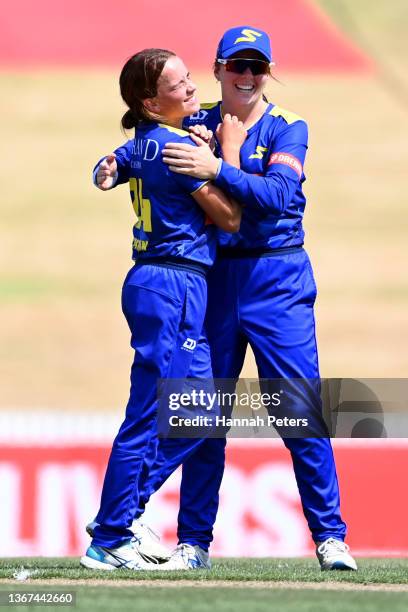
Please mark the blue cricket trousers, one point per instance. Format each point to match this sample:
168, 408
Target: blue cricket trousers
266, 302
164, 307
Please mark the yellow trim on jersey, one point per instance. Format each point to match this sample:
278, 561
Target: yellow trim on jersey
208, 105
287, 115
174, 130
200, 187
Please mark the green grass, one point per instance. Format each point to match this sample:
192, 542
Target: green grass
225, 600
371, 571
194, 597
378, 28
373, 25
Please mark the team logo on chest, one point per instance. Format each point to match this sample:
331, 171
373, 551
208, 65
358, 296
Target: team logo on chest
199, 116
260, 152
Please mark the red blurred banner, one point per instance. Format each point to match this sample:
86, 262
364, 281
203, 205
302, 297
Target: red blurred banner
102, 33
48, 494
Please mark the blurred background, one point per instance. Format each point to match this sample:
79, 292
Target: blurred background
65, 249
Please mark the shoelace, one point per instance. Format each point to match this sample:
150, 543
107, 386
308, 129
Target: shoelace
332, 546
182, 550
136, 542
144, 527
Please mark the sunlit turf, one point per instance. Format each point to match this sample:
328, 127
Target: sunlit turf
224, 599
371, 571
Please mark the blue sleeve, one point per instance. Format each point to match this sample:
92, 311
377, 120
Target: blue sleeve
123, 155
186, 182
274, 191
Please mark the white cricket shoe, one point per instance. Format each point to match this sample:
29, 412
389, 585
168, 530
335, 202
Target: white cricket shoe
149, 542
186, 557
145, 539
126, 556
334, 555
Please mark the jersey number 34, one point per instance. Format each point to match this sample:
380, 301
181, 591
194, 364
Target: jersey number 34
141, 205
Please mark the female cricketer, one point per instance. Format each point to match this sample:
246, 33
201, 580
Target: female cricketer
261, 291
165, 293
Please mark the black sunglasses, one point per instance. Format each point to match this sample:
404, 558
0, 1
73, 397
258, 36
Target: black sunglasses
239, 65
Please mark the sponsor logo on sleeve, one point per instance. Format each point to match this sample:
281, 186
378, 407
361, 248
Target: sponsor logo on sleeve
287, 160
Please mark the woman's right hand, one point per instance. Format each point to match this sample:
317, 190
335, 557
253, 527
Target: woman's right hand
204, 133
107, 172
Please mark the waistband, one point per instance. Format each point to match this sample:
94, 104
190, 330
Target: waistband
239, 253
176, 263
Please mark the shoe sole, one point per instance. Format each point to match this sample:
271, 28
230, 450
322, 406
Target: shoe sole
93, 564
160, 568
339, 567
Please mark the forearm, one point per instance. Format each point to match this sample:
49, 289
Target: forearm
231, 156
223, 211
272, 194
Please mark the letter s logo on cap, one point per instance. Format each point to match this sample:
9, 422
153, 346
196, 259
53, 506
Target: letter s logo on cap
249, 36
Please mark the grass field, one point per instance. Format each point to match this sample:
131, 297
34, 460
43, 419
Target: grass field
232, 584
223, 599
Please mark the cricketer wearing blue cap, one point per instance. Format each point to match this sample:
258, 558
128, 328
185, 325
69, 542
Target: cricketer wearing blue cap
261, 291
244, 38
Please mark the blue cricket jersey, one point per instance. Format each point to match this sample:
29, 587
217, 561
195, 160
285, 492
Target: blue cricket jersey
269, 183
169, 221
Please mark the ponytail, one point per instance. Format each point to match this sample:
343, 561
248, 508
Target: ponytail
128, 120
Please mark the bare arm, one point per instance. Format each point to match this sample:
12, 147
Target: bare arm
225, 213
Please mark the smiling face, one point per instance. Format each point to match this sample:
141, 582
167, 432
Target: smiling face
241, 89
176, 94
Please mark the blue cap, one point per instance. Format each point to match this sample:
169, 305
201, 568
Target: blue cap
242, 38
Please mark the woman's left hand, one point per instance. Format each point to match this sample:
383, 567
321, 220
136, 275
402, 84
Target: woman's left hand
198, 161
